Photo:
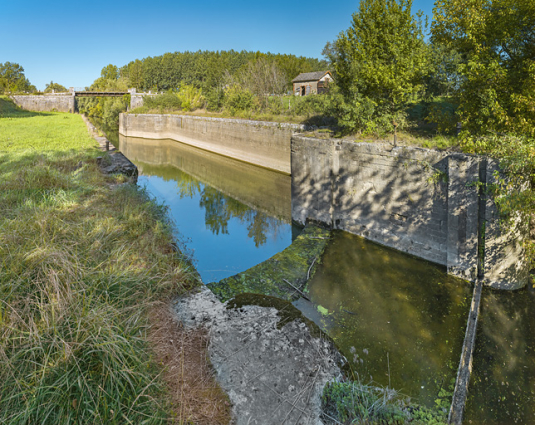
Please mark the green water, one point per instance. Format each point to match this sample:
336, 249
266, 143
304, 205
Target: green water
502, 386
399, 320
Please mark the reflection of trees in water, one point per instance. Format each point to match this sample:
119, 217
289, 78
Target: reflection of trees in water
219, 209
187, 186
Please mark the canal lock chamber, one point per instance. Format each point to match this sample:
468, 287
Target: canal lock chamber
400, 321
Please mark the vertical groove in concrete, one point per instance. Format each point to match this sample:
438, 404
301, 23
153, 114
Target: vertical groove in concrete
481, 218
465, 365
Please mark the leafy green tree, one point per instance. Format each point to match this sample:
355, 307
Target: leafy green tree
111, 80
444, 78
134, 72
380, 62
496, 39
55, 87
12, 79
110, 72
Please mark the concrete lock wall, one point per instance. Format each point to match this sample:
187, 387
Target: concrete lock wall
264, 144
46, 103
426, 203
138, 99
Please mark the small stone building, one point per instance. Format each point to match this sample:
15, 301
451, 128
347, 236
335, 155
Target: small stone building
311, 82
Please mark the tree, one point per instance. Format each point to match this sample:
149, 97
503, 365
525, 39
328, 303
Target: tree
55, 87
12, 79
134, 72
110, 72
496, 39
382, 59
444, 78
111, 80
260, 77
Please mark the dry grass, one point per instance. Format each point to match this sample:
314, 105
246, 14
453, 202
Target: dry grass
193, 393
81, 268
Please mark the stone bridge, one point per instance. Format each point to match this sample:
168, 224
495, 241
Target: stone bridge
66, 102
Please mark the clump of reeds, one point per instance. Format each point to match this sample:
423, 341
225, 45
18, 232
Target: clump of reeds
351, 402
355, 403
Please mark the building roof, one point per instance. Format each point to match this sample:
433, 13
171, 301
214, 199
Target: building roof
310, 76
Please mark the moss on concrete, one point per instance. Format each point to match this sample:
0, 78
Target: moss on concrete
281, 274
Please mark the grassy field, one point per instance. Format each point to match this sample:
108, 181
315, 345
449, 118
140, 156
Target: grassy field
83, 260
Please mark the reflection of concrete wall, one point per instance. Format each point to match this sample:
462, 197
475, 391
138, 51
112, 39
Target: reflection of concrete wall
265, 190
419, 201
259, 143
53, 102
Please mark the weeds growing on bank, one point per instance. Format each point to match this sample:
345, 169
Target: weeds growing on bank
352, 402
81, 264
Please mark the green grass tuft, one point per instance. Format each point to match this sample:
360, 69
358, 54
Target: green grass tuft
80, 265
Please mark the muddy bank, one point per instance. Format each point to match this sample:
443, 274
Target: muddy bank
273, 374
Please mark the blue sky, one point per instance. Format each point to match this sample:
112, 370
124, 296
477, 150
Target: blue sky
69, 42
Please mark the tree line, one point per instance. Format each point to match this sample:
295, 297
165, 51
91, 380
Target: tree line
207, 70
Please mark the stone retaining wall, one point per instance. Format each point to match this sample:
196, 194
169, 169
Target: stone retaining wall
423, 202
265, 144
46, 103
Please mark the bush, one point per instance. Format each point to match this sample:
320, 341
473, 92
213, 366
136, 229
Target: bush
444, 115
190, 97
104, 111
311, 105
165, 101
239, 99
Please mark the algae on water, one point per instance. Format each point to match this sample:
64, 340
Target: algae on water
284, 275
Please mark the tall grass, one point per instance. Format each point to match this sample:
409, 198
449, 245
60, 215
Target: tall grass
80, 265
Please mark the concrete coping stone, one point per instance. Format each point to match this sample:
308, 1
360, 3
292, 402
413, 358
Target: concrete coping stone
296, 127
465, 365
383, 144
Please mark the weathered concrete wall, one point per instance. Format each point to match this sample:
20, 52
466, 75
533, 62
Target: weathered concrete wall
419, 201
48, 102
503, 243
137, 99
260, 143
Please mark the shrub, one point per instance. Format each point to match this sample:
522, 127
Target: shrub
444, 115
352, 402
239, 99
165, 101
190, 97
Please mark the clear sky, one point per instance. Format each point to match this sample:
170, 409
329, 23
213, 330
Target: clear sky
69, 42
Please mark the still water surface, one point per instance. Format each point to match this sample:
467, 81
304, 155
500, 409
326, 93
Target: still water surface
230, 215
398, 319
502, 387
